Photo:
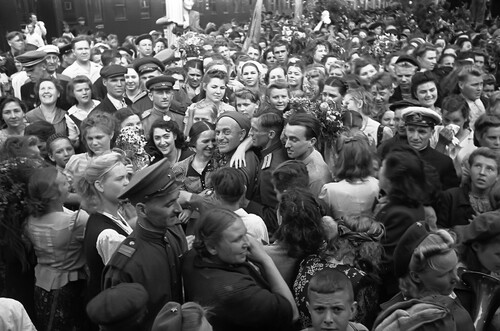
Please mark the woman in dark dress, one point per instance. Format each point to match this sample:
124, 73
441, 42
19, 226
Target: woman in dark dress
403, 179
217, 274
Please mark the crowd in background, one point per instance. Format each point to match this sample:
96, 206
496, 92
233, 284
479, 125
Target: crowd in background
339, 172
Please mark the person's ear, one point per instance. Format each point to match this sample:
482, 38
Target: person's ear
476, 247
211, 249
51, 157
461, 85
98, 186
415, 277
313, 141
359, 104
243, 134
141, 210
354, 309
271, 134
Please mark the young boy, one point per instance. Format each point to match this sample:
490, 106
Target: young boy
330, 300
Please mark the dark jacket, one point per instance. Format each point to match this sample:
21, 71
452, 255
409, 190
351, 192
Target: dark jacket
443, 165
240, 297
265, 202
396, 219
454, 208
153, 260
107, 106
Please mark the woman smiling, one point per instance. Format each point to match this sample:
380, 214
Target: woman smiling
48, 91
166, 141
12, 119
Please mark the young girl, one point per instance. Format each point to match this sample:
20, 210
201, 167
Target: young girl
79, 93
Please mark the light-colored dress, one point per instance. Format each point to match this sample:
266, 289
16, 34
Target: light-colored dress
344, 197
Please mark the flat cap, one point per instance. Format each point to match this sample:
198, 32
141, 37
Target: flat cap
483, 227
31, 58
147, 64
410, 240
154, 180
404, 104
420, 116
240, 118
169, 318
113, 70
120, 307
49, 49
391, 29
161, 82
409, 59
143, 37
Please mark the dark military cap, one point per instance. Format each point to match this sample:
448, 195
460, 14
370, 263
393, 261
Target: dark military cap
161, 82
154, 180
421, 116
410, 240
31, 58
147, 64
409, 59
113, 70
65, 49
482, 228
120, 307
404, 104
169, 318
143, 37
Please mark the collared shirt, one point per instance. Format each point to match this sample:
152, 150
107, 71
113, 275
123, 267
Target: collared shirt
116, 102
75, 69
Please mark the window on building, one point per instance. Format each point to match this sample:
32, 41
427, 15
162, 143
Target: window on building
98, 11
120, 10
145, 6
212, 6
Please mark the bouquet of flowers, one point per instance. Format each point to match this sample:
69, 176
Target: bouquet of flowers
327, 112
132, 142
191, 43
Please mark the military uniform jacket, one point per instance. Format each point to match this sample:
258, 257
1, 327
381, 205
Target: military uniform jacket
265, 202
151, 115
153, 260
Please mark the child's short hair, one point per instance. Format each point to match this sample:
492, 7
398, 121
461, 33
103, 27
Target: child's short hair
329, 281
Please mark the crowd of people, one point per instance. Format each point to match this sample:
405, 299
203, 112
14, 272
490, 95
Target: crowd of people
331, 175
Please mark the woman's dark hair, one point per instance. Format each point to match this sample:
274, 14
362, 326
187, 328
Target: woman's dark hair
482, 124
42, 190
421, 78
405, 171
214, 73
8, 99
41, 129
290, 174
56, 83
264, 54
209, 228
197, 129
355, 159
337, 82
70, 94
455, 102
301, 231
170, 126
122, 114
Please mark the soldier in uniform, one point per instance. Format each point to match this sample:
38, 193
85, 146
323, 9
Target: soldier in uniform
151, 255
265, 133
147, 68
420, 122
161, 93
